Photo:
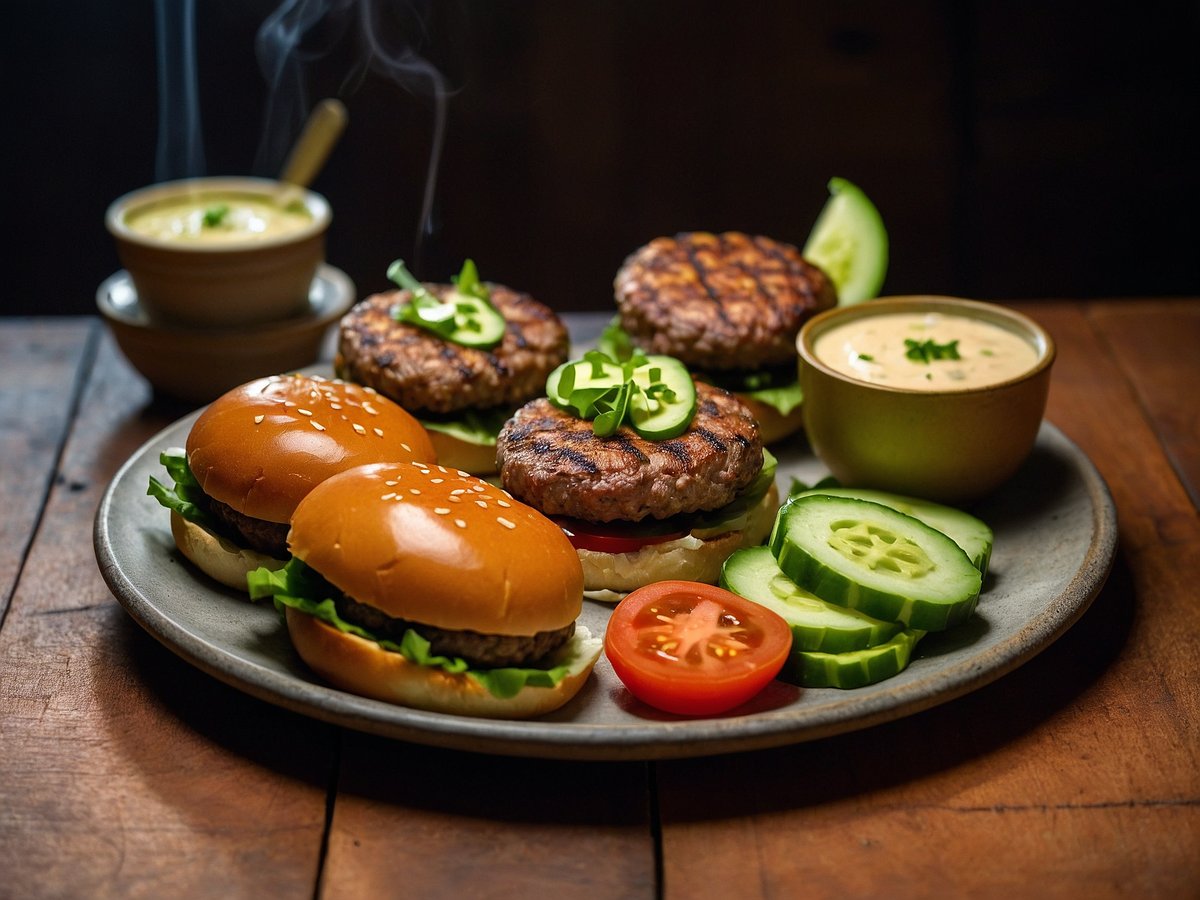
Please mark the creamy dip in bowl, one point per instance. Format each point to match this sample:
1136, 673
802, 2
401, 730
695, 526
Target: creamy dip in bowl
220, 252
934, 397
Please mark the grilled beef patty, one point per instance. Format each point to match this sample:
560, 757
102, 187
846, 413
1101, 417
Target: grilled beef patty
426, 374
551, 460
257, 534
489, 650
720, 301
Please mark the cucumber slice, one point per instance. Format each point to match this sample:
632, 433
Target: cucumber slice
849, 243
664, 407
855, 669
870, 557
816, 625
970, 533
476, 322
590, 377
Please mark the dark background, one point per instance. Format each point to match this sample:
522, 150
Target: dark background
1015, 150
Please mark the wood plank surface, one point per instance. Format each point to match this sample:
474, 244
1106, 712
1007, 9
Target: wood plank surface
124, 771
40, 365
1076, 775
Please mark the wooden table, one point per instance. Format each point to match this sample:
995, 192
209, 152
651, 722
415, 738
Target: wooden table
126, 772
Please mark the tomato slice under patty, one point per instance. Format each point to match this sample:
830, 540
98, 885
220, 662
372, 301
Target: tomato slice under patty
615, 537
694, 649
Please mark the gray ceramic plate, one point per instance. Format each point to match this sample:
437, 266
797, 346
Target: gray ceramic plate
1055, 531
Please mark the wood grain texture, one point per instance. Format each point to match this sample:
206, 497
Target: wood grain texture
124, 771
1076, 775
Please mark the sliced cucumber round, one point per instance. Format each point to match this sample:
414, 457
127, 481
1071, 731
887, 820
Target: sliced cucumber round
476, 322
855, 669
816, 625
870, 557
664, 407
849, 243
973, 535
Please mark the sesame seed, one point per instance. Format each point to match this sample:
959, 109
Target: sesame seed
391, 483
458, 491
358, 428
388, 496
317, 425
413, 491
462, 473
481, 504
407, 448
436, 480
503, 503
460, 523
335, 406
369, 390
370, 409
442, 510
507, 524
258, 420
378, 431
304, 412
454, 499
478, 488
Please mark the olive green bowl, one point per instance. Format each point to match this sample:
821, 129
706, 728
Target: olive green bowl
951, 445
248, 281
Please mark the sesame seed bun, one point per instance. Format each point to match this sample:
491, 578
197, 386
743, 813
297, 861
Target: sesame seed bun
440, 547
261, 447
435, 546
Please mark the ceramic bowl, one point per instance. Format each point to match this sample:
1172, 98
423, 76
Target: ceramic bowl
198, 365
228, 273
948, 444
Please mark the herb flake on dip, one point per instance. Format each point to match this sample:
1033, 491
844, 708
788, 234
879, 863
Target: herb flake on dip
218, 218
925, 351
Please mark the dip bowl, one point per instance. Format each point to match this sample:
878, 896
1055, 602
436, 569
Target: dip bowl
919, 431
220, 252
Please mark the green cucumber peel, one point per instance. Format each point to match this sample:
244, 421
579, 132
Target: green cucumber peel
972, 534
472, 426
849, 243
468, 318
303, 589
853, 669
816, 625
653, 395
870, 557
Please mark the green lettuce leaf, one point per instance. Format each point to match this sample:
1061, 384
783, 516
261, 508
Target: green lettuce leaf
784, 397
182, 496
300, 587
743, 502
472, 426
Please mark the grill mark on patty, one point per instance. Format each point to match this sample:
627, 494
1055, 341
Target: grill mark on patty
702, 277
678, 451
582, 460
715, 442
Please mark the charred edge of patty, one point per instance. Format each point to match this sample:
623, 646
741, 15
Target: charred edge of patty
477, 648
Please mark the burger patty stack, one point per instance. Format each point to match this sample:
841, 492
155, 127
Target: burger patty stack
729, 306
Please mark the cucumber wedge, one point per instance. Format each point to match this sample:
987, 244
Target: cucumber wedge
849, 243
816, 625
870, 557
971, 534
851, 670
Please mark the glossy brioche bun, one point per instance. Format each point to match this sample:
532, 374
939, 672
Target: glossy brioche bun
695, 557
217, 557
773, 425
455, 453
363, 667
263, 446
437, 546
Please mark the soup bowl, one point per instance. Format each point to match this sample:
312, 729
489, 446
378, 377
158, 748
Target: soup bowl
220, 252
934, 397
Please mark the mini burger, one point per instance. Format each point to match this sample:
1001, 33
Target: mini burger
430, 588
461, 357
729, 306
652, 475
256, 451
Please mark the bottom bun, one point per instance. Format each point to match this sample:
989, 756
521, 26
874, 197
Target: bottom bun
610, 576
773, 426
363, 667
466, 456
218, 557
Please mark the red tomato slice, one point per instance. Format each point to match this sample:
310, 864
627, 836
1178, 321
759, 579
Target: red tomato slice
694, 649
609, 538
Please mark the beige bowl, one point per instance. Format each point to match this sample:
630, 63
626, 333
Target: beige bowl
229, 275
952, 445
198, 365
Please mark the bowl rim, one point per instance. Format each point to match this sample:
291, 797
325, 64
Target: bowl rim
1040, 338
114, 216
